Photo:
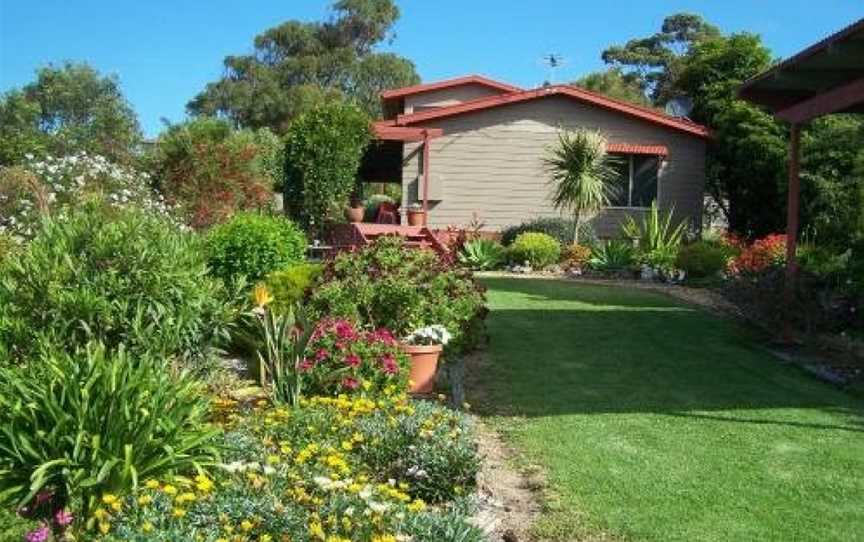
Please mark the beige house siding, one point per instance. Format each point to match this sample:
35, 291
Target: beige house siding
447, 96
490, 163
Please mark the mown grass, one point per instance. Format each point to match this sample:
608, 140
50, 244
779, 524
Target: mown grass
658, 422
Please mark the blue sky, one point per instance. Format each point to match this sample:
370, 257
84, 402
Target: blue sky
164, 51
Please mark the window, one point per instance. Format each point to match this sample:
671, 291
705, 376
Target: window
636, 181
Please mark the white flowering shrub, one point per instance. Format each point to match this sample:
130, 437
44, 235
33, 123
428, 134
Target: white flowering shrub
48, 186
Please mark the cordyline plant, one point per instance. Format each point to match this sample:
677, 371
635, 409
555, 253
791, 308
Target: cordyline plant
74, 427
581, 173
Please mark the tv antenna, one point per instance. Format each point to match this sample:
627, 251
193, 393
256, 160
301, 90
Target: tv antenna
679, 106
553, 61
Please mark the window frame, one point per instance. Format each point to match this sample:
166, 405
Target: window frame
630, 170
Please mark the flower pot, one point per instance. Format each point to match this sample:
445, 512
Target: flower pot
416, 217
355, 214
424, 364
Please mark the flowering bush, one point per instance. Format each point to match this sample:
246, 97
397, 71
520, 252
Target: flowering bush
766, 252
388, 285
46, 187
320, 472
342, 359
577, 256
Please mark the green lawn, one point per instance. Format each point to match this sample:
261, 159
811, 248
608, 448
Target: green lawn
657, 421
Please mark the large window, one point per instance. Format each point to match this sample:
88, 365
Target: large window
636, 182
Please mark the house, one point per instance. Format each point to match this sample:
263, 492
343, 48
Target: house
472, 146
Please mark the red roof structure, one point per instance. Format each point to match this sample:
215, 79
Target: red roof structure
566, 91
448, 83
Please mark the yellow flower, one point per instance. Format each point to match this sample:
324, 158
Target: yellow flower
169, 489
151, 484
203, 484
104, 527
146, 527
247, 525
417, 506
317, 530
265, 538
109, 499
100, 514
384, 538
261, 295
144, 500
185, 497
178, 512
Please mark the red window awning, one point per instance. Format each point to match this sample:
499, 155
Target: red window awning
630, 148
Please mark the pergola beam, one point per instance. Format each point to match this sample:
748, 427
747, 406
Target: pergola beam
835, 100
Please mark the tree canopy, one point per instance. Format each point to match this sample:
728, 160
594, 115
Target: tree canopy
615, 84
297, 66
67, 109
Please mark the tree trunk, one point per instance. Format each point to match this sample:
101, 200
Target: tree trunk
577, 222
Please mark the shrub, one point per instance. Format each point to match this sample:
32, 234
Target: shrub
656, 237
251, 245
289, 286
559, 228
482, 254
323, 149
577, 256
78, 426
702, 259
538, 249
769, 251
53, 185
117, 276
210, 172
342, 359
387, 285
613, 255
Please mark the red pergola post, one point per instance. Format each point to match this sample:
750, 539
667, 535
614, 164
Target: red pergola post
426, 140
792, 212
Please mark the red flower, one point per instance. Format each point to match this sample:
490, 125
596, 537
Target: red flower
352, 360
321, 354
389, 365
306, 365
350, 383
344, 330
382, 335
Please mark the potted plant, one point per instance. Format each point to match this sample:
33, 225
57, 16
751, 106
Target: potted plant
416, 215
424, 347
355, 210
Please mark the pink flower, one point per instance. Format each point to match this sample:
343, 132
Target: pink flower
352, 360
389, 365
350, 383
63, 518
38, 535
321, 354
382, 335
306, 365
344, 330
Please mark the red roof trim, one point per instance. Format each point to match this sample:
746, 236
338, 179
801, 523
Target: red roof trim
630, 148
459, 81
562, 90
384, 131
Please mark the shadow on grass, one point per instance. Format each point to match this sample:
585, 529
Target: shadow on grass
563, 348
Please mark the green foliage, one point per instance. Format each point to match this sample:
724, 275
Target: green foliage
323, 149
559, 228
615, 84
387, 285
657, 237
120, 276
251, 245
538, 249
284, 338
67, 109
298, 65
211, 171
93, 422
482, 254
702, 259
13, 528
289, 286
581, 175
372, 203
613, 255
655, 61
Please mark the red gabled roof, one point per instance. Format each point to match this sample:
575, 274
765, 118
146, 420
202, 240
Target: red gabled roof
388, 131
576, 93
459, 81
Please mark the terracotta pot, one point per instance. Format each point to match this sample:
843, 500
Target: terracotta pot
424, 363
355, 214
416, 217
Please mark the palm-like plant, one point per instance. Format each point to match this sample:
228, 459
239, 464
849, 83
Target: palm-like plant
582, 174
